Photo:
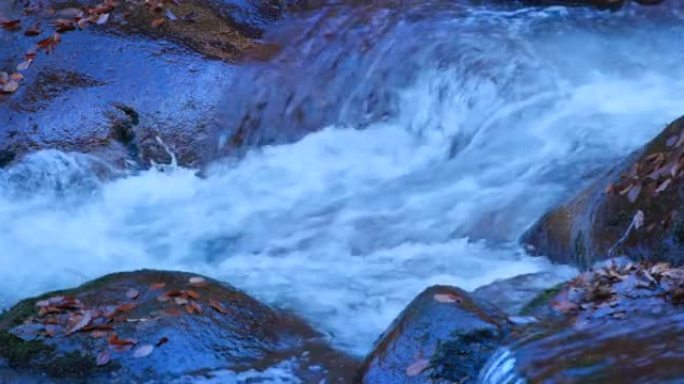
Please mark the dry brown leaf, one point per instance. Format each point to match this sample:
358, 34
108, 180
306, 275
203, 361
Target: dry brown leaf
125, 307
192, 294
82, 323
180, 300
446, 298
197, 281
218, 307
10, 87
33, 30
157, 286
158, 22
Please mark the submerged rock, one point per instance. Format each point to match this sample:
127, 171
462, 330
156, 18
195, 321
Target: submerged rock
443, 336
619, 324
634, 210
155, 326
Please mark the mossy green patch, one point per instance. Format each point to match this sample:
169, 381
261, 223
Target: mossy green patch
18, 352
542, 299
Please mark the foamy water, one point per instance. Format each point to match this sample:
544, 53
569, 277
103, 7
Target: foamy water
347, 225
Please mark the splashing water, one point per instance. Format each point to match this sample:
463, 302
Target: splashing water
497, 116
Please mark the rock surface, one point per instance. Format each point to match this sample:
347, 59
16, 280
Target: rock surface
623, 323
154, 326
633, 210
443, 336
130, 90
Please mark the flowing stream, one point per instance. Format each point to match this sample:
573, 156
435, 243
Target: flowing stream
441, 140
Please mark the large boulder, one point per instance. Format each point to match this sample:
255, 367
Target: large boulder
128, 82
619, 324
633, 210
443, 336
154, 326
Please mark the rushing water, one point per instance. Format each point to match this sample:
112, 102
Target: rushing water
442, 141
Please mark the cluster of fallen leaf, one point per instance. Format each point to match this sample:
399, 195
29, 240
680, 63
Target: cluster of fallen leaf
655, 174
72, 19
611, 290
63, 316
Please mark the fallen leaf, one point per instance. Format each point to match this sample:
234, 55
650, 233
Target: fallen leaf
99, 334
24, 65
638, 219
218, 306
193, 307
157, 286
198, 281
33, 30
125, 307
633, 193
447, 298
103, 358
180, 300
143, 351
132, 294
170, 15
102, 19
417, 367
115, 341
82, 323
192, 294
10, 87
11, 25
17, 76
156, 23
663, 186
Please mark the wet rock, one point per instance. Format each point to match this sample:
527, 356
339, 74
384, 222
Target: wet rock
634, 210
172, 76
153, 326
514, 294
621, 323
443, 336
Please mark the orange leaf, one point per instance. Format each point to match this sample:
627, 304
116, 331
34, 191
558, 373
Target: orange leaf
157, 286
85, 320
158, 22
447, 298
125, 307
192, 294
218, 306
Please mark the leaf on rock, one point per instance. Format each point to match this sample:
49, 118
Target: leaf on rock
197, 281
125, 307
158, 22
82, 323
446, 298
417, 367
633, 193
10, 87
103, 358
115, 341
192, 294
33, 30
180, 300
157, 286
663, 186
11, 25
638, 219
17, 76
143, 351
102, 19
170, 15
132, 294
218, 307
98, 334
